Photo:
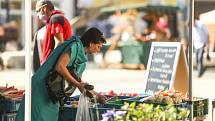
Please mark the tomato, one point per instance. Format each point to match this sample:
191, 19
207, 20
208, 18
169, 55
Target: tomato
112, 93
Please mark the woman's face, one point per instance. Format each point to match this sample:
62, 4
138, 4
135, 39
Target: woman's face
94, 48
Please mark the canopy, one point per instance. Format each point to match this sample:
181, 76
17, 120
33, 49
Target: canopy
140, 7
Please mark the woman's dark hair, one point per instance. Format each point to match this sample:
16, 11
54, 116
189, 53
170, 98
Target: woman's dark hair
92, 35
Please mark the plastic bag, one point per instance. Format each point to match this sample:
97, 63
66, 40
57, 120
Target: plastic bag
83, 111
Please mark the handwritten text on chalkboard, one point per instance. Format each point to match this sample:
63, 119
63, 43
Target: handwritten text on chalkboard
161, 68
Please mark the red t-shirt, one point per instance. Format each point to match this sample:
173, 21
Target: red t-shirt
56, 24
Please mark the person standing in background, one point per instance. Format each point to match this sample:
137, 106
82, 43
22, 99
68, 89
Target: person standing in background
37, 51
201, 37
58, 28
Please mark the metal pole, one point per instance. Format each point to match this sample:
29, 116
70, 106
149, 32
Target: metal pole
191, 4
28, 39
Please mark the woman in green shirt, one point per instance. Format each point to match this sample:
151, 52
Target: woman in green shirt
74, 49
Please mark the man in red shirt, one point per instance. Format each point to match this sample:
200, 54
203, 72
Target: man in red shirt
58, 28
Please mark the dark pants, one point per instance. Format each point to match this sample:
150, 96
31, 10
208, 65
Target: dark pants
199, 61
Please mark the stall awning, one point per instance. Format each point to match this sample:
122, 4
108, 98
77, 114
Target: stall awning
140, 7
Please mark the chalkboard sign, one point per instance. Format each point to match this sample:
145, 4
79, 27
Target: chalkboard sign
161, 66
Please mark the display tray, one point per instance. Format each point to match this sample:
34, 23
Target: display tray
114, 102
111, 99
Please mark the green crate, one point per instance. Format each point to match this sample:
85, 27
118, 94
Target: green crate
200, 107
8, 117
7, 106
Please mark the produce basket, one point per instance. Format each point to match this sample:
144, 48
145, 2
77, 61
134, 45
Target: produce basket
161, 98
69, 113
7, 106
10, 99
138, 100
70, 108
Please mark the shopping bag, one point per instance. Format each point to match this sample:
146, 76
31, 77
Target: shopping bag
83, 110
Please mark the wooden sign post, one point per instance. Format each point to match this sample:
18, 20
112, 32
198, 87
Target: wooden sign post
167, 68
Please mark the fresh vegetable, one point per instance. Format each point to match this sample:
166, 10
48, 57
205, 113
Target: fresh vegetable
167, 97
112, 93
147, 112
11, 93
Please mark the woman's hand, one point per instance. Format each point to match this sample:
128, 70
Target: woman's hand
80, 86
101, 99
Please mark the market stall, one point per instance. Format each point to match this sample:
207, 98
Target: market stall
165, 89
131, 29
